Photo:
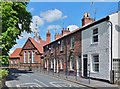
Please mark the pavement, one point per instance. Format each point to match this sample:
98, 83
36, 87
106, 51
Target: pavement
91, 83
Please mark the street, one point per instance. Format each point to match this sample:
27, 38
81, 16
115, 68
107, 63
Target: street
21, 78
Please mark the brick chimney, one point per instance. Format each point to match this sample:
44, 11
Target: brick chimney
65, 31
86, 19
48, 36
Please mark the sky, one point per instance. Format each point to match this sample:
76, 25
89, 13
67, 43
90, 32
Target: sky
58, 15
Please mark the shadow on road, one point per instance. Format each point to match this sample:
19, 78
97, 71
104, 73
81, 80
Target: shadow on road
14, 74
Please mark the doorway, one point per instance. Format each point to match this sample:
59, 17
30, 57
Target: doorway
85, 65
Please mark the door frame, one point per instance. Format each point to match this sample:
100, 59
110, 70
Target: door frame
85, 65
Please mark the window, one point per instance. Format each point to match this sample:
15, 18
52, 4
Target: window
32, 56
62, 46
29, 57
95, 35
72, 62
25, 57
52, 64
72, 43
95, 63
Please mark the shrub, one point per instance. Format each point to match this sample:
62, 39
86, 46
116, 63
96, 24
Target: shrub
3, 73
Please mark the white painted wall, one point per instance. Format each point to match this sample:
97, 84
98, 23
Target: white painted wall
116, 32
119, 34
102, 48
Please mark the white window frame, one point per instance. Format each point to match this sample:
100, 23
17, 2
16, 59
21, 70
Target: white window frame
33, 56
95, 63
28, 56
24, 56
51, 64
72, 64
62, 45
95, 35
72, 43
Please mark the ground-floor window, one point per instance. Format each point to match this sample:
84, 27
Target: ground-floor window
61, 64
95, 63
51, 63
32, 56
72, 62
24, 56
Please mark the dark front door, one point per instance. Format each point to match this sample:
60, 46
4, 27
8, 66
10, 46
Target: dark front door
85, 66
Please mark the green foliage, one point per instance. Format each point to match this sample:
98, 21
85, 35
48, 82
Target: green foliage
13, 14
3, 73
4, 60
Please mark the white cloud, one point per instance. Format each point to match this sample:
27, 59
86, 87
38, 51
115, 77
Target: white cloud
38, 20
72, 27
31, 9
51, 27
52, 15
64, 17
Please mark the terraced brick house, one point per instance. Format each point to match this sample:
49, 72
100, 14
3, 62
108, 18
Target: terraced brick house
93, 50
64, 54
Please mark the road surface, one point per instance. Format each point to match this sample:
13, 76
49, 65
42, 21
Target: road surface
21, 78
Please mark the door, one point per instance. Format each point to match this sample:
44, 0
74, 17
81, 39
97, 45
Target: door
85, 66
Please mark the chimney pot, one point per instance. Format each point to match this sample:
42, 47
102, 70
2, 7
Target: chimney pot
86, 19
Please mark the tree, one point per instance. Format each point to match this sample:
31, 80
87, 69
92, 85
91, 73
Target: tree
15, 20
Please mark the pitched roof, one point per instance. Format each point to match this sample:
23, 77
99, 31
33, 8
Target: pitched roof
81, 28
38, 45
15, 54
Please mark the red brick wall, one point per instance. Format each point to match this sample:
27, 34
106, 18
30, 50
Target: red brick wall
62, 55
30, 47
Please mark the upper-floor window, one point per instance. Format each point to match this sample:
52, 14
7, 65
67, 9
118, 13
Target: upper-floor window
95, 63
72, 43
62, 46
95, 35
51, 48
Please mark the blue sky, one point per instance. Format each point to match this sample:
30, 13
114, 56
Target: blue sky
58, 15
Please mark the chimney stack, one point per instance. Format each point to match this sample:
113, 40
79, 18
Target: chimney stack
65, 31
48, 36
86, 19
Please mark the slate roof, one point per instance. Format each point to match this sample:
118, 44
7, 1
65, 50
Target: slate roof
15, 54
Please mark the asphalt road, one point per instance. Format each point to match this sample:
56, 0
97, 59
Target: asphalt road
21, 78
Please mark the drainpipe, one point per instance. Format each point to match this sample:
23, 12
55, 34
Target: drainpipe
111, 40
111, 72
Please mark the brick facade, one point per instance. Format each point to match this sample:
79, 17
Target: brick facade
53, 51
71, 58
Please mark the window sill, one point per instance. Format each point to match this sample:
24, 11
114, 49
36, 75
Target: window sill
95, 43
61, 51
93, 72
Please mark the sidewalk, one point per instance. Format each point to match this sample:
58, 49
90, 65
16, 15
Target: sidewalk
86, 82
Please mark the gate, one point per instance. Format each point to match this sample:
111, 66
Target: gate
116, 68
